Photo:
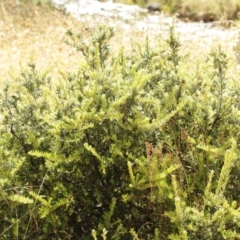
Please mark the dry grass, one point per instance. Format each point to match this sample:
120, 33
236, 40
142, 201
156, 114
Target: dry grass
29, 31
36, 32
197, 10
210, 10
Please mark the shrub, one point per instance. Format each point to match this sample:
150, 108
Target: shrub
132, 145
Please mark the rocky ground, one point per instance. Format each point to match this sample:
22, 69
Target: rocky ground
133, 20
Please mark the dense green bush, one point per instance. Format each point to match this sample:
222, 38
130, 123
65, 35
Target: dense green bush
132, 145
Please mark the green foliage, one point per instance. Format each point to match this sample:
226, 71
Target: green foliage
217, 217
132, 145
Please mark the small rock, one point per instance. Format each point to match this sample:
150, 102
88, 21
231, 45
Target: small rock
154, 7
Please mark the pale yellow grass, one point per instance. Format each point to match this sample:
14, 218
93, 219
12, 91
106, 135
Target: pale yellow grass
29, 32
218, 9
197, 9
